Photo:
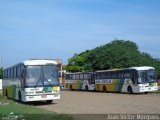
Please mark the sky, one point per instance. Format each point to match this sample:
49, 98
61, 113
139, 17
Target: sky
52, 29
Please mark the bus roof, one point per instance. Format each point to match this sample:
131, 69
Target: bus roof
136, 68
39, 62
111, 70
143, 68
79, 72
35, 62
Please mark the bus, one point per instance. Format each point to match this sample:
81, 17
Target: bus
130, 80
80, 81
32, 80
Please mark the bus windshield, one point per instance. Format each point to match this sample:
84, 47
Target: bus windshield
147, 76
41, 75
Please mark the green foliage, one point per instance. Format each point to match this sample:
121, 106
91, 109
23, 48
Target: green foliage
1, 73
76, 64
116, 54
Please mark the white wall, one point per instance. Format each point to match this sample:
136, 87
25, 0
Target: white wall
0, 84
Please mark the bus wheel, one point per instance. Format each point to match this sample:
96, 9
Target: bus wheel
130, 89
146, 92
6, 93
104, 89
49, 101
86, 88
71, 87
19, 97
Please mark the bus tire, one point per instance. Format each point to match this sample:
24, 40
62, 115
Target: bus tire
86, 88
19, 97
6, 93
71, 87
104, 89
146, 92
49, 101
129, 89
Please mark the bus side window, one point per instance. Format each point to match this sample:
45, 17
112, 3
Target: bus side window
114, 74
77, 77
103, 75
119, 74
73, 77
92, 79
126, 74
81, 77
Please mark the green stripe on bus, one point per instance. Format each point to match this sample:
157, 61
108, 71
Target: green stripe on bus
47, 89
119, 85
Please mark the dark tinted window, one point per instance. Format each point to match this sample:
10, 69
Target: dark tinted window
114, 74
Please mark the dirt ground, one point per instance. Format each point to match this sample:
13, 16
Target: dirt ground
81, 102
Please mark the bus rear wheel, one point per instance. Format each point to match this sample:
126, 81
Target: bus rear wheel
6, 93
86, 88
104, 89
19, 97
71, 87
130, 89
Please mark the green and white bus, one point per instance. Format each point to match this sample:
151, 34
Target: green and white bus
132, 80
32, 80
80, 81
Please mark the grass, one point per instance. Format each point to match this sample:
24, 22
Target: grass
10, 108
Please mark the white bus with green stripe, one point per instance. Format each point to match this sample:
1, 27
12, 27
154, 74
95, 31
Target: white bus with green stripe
131, 80
80, 81
32, 80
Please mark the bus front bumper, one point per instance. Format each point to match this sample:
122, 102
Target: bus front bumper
42, 97
148, 89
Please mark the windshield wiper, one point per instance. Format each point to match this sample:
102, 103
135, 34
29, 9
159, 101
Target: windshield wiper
37, 82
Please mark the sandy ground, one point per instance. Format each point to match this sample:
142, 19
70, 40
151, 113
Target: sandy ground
81, 102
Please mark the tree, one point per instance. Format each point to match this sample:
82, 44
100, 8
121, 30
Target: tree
76, 64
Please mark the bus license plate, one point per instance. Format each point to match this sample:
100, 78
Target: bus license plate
43, 96
149, 88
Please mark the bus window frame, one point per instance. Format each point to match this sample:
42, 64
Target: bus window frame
134, 76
